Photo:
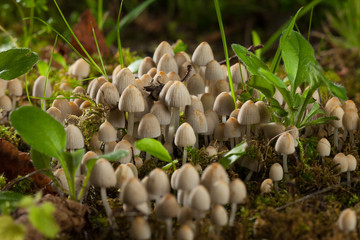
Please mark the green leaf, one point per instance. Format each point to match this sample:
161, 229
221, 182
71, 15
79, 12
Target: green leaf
296, 53
16, 62
154, 148
319, 121
249, 59
41, 217
8, 200
256, 41
134, 13
60, 59
39, 130
134, 66
279, 84
169, 165
73, 161
40, 160
337, 90
42, 67
234, 154
180, 46
276, 107
9, 230
262, 85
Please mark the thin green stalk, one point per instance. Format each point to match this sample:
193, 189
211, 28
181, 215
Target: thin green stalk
303, 107
47, 73
218, 14
98, 49
27, 90
77, 40
121, 59
242, 79
311, 16
9, 35
22, 17
31, 27
100, 14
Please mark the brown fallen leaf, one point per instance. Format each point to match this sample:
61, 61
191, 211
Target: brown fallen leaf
14, 163
83, 31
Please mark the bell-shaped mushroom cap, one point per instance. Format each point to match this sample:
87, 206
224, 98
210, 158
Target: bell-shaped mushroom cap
123, 173
39, 85
65, 87
351, 160
185, 136
123, 79
196, 104
272, 129
158, 182
62, 105
207, 100
347, 220
152, 72
219, 215
185, 213
103, 174
264, 112
177, 95
167, 64
149, 126
213, 71
181, 57
146, 64
163, 48
173, 76
55, 113
213, 173
198, 122
60, 175
235, 113
219, 87
249, 113
167, 207
115, 71
80, 69
349, 104
184, 69
331, 103
107, 133
276, 172
219, 132
140, 229
185, 233
223, 104
238, 77
79, 90
117, 118
124, 145
161, 112
75, 109
285, 144
323, 147
238, 191
161, 77
350, 119
232, 128
220, 192
131, 100
211, 151
267, 186
199, 198
95, 86
108, 95
187, 178
341, 159
164, 91
15, 88
174, 179
203, 54
195, 84
74, 137
87, 156
338, 112
148, 102
133, 192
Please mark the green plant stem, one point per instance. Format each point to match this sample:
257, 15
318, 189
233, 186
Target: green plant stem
27, 90
31, 27
10, 36
311, 15
121, 58
22, 17
100, 13
303, 107
98, 49
218, 14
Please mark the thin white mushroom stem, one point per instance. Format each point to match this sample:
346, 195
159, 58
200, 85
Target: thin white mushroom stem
248, 177
185, 198
232, 214
223, 118
197, 140
184, 160
351, 136
130, 128
248, 131
13, 100
336, 138
348, 178
231, 142
107, 208
276, 186
168, 223
345, 134
173, 123
285, 166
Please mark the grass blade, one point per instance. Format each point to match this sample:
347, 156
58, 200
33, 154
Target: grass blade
97, 47
121, 58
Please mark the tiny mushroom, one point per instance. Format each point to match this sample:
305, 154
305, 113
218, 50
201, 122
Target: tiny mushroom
276, 174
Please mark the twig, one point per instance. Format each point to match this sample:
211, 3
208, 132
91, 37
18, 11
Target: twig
188, 70
16, 180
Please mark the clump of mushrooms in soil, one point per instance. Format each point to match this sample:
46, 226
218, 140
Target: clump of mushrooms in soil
148, 105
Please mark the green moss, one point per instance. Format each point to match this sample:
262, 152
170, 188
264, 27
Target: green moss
10, 135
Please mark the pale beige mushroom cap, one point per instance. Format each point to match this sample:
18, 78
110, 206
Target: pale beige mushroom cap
276, 172
323, 147
285, 144
132, 100
103, 174
203, 54
267, 185
219, 215
249, 113
199, 198
185, 136
347, 220
74, 137
238, 192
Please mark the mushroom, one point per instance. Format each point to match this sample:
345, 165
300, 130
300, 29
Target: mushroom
207, 100
166, 209
181, 57
266, 186
276, 174
199, 201
338, 112
162, 113
108, 95
223, 105
167, 64
249, 114
149, 127
219, 192
140, 229
103, 176
352, 163
323, 148
185, 137
123, 173
124, 145
80, 69
123, 79
213, 173
198, 122
146, 64
186, 179
14, 90
203, 54
185, 233
347, 220
39, 89
219, 218
285, 146
238, 195
195, 84
163, 48
157, 184
341, 160
239, 75
349, 121
107, 133
74, 138
232, 130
